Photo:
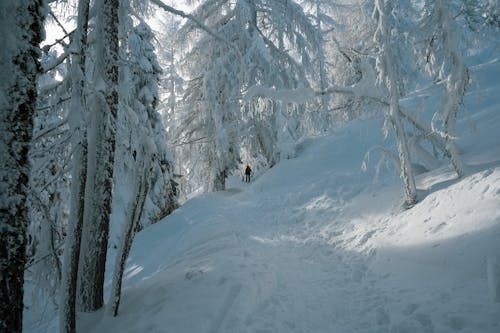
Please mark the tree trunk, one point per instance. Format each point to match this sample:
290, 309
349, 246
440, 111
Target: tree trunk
406, 172
22, 28
325, 100
135, 213
98, 192
456, 85
391, 80
67, 315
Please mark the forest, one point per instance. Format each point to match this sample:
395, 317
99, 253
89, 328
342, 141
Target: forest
115, 113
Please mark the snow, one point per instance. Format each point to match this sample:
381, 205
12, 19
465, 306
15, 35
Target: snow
315, 245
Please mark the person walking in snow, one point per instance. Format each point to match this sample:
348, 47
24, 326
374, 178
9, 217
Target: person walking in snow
248, 172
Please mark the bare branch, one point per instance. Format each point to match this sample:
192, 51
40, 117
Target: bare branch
47, 47
53, 127
51, 13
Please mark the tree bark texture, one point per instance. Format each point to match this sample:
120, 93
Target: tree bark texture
134, 216
67, 310
100, 171
21, 28
391, 80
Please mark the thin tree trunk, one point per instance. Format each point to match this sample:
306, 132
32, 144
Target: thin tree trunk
387, 60
135, 213
455, 87
321, 58
22, 28
406, 174
67, 315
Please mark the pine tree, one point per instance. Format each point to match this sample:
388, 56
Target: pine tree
144, 157
145, 72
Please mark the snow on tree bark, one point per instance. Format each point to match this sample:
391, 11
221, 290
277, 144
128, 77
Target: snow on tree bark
456, 84
134, 216
67, 305
21, 31
385, 64
325, 100
138, 118
98, 192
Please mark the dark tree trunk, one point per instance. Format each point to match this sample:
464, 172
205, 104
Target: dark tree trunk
18, 96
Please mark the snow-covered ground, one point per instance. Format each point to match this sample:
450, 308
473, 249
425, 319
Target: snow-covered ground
316, 245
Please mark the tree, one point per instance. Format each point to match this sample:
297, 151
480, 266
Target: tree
386, 66
143, 99
271, 43
21, 35
49, 184
68, 289
135, 211
101, 150
101, 87
143, 156
444, 59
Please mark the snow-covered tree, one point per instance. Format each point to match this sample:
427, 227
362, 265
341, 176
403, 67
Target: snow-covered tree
171, 82
145, 74
49, 182
390, 78
144, 161
78, 114
445, 61
265, 43
101, 149
21, 31
135, 211
481, 13
97, 94
342, 51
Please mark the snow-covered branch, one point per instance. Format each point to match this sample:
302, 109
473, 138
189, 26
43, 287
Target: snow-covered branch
200, 24
50, 65
298, 96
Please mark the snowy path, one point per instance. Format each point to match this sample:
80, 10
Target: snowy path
281, 281
313, 246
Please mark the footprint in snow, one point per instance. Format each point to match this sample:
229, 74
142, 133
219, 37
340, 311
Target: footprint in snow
486, 173
438, 228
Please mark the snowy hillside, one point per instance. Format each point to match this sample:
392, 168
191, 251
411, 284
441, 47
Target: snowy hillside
316, 245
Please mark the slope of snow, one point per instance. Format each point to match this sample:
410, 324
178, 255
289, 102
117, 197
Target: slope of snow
314, 245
